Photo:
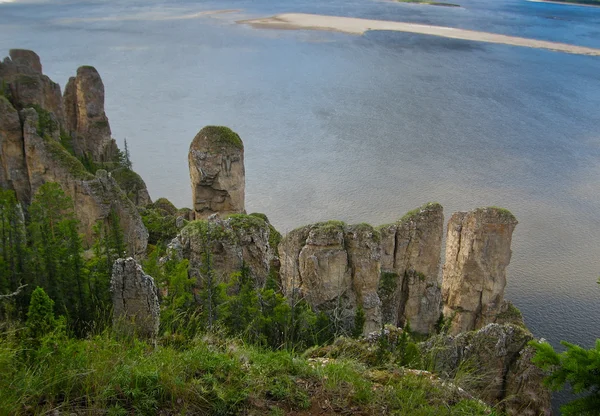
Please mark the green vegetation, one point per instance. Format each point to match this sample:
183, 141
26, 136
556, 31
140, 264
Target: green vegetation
502, 213
410, 215
221, 136
211, 375
578, 367
431, 3
46, 251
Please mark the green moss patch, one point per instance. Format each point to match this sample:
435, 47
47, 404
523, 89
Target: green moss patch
67, 160
221, 136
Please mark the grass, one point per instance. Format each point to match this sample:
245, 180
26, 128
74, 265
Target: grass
221, 136
212, 375
417, 211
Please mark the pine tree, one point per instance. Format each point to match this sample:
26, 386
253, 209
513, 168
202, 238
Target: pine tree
127, 157
576, 366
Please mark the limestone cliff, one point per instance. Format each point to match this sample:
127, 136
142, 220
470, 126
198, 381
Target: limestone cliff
35, 149
410, 261
336, 268
217, 247
86, 120
24, 84
493, 363
474, 275
216, 162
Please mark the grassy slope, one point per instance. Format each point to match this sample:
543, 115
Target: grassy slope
103, 375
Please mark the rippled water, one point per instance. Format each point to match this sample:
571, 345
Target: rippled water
363, 128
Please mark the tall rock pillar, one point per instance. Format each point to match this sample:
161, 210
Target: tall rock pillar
474, 276
216, 161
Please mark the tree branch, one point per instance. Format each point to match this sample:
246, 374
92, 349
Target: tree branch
10, 295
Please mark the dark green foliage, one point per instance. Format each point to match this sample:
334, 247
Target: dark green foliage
57, 251
40, 317
161, 228
578, 367
129, 181
359, 322
163, 204
13, 250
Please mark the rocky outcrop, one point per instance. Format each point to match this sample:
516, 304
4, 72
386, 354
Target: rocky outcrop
216, 248
216, 162
13, 170
410, 288
474, 275
94, 196
493, 363
34, 150
25, 85
133, 185
136, 309
335, 268
86, 120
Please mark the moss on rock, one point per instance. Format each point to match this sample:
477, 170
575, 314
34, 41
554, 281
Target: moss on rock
221, 136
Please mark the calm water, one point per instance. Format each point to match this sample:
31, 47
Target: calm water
363, 129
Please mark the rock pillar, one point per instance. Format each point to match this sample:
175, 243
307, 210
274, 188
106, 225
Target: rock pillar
216, 161
474, 276
135, 299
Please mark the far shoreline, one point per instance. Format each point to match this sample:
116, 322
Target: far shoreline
359, 26
565, 3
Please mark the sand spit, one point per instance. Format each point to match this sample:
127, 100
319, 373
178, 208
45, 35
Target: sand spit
359, 26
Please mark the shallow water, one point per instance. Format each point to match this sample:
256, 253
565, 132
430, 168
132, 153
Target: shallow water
363, 128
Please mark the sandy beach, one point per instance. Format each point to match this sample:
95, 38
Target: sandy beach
359, 26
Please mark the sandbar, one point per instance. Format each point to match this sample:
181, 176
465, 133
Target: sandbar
359, 26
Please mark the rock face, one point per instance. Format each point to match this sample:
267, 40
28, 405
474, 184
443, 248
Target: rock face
217, 248
25, 85
86, 121
493, 363
410, 287
136, 309
32, 124
216, 162
474, 276
336, 268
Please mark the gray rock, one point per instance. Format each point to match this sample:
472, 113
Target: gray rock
136, 309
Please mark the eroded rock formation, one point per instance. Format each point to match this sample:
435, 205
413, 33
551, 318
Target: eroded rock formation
336, 268
493, 363
33, 149
410, 288
86, 120
216, 248
136, 309
216, 162
474, 275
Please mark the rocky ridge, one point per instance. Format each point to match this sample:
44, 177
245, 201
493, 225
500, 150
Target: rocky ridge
45, 137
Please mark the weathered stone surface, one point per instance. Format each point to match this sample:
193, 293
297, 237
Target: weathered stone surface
218, 248
474, 276
410, 261
26, 85
216, 162
86, 120
136, 309
133, 185
494, 364
94, 197
335, 268
13, 171
31, 153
